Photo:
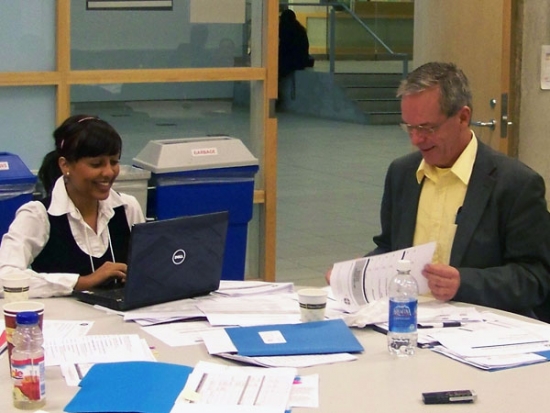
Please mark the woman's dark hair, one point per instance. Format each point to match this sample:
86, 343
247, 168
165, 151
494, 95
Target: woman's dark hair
78, 137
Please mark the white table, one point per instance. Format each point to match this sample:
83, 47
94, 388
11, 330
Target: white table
376, 382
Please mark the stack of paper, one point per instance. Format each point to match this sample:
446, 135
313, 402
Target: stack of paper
247, 288
497, 342
96, 349
213, 387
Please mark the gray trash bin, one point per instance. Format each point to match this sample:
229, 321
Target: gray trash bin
133, 181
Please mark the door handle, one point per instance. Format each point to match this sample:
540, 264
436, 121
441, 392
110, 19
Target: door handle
491, 124
504, 121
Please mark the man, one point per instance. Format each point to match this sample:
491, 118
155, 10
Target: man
487, 212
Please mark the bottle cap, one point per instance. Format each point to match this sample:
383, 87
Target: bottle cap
403, 265
26, 318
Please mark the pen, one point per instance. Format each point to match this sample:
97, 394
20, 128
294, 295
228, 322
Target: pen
440, 325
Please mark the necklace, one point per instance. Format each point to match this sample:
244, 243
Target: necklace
90, 249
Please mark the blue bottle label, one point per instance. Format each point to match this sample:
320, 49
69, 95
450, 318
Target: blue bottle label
402, 316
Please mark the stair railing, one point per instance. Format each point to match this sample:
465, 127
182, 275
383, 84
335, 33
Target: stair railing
340, 6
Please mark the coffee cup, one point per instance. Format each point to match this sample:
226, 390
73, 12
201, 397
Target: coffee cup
16, 287
313, 302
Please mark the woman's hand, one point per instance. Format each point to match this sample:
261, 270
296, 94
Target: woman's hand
107, 271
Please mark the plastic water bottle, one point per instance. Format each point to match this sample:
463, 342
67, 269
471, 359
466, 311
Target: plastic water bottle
403, 302
27, 363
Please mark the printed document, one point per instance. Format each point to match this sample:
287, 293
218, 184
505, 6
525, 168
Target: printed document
362, 281
214, 387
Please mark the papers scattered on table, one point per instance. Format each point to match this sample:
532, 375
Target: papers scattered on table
307, 360
96, 349
247, 288
167, 312
213, 387
61, 329
251, 310
497, 342
180, 334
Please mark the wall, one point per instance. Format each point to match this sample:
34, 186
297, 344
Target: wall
534, 141
119, 30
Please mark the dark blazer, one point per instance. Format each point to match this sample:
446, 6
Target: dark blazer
502, 242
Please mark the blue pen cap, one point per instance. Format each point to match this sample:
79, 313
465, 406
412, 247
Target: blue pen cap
26, 318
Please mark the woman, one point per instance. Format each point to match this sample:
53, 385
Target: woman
77, 237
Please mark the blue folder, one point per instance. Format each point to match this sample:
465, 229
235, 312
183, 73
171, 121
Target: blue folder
317, 337
139, 386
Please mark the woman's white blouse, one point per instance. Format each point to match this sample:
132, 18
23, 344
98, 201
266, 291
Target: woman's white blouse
30, 230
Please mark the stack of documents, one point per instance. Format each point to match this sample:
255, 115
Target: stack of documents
498, 342
247, 288
216, 388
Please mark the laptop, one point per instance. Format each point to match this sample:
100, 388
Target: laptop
168, 260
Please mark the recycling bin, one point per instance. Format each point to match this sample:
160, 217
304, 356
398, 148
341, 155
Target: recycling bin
17, 184
192, 176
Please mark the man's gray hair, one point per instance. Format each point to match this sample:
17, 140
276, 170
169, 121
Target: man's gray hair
452, 82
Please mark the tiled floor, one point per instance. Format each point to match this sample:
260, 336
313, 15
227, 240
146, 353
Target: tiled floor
330, 174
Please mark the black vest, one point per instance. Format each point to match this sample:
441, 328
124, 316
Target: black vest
62, 254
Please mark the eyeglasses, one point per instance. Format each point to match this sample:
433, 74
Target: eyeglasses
421, 129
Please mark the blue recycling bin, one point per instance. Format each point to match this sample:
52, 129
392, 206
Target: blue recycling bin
192, 176
17, 185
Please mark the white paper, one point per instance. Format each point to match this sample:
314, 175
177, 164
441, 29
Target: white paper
305, 391
242, 288
251, 310
497, 336
218, 341
96, 349
180, 334
173, 310
60, 329
358, 282
214, 387
301, 361
493, 362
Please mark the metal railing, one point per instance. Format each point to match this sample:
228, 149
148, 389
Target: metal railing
340, 6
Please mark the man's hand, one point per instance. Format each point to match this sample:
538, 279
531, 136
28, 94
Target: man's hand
327, 275
443, 280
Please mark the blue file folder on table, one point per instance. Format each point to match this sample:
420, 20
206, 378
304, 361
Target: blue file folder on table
318, 337
135, 386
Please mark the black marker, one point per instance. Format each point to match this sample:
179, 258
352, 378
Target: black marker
447, 397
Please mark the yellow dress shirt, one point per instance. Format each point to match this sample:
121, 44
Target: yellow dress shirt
442, 196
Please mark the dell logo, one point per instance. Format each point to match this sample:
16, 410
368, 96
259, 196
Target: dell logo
178, 257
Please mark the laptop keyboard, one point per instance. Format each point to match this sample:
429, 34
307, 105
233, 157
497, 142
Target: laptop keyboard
116, 293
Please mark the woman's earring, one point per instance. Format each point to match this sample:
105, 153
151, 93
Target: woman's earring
67, 174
